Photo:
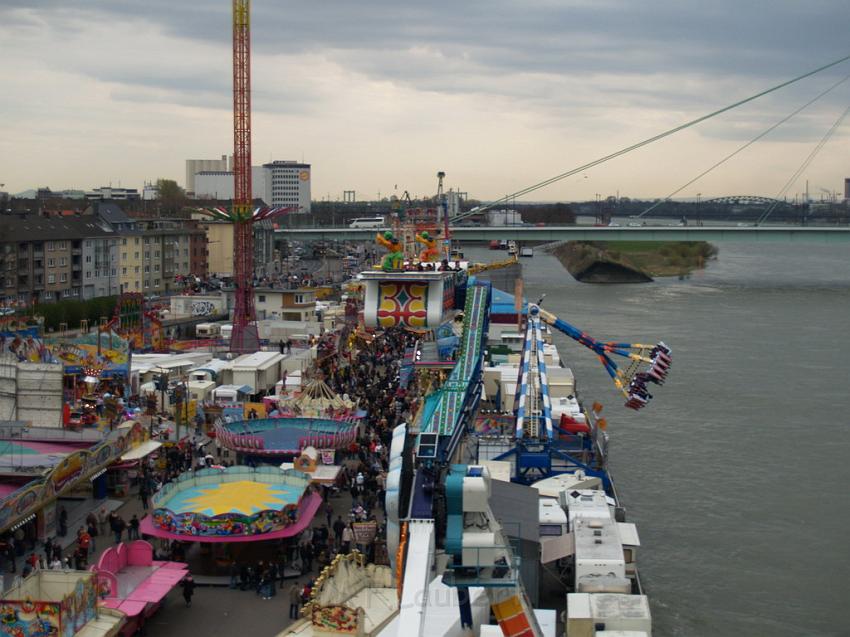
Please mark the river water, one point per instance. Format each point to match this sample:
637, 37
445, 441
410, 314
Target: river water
738, 472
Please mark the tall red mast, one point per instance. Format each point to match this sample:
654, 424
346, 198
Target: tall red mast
245, 337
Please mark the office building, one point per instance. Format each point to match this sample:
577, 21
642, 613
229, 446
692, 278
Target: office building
108, 193
288, 184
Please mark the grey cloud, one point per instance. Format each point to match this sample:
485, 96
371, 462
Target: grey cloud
575, 37
203, 93
481, 43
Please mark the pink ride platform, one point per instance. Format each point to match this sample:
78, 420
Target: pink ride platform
130, 580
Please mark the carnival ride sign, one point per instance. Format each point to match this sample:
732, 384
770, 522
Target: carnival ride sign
73, 468
403, 303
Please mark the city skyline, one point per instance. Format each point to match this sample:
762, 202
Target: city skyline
378, 97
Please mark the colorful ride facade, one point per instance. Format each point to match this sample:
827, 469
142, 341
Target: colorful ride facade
285, 436
233, 504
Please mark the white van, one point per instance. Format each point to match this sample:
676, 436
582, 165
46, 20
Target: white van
367, 222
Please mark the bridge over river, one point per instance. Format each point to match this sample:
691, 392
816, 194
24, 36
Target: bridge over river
545, 234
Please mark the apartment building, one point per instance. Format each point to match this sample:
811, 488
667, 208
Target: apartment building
156, 251
49, 259
100, 266
130, 261
220, 246
153, 252
102, 252
198, 250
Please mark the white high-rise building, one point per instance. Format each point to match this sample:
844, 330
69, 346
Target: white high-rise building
219, 184
278, 183
194, 166
288, 184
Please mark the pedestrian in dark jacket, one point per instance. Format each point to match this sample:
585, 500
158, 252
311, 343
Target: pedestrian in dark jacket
294, 600
188, 589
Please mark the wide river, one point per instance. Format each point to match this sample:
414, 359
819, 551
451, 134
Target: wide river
738, 472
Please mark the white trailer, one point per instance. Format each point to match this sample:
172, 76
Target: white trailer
260, 370
201, 390
231, 393
604, 613
208, 330
211, 370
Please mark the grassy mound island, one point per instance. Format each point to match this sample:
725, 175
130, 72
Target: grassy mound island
632, 261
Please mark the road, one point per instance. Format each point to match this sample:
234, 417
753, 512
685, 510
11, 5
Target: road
221, 612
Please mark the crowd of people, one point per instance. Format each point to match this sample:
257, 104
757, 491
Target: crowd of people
371, 379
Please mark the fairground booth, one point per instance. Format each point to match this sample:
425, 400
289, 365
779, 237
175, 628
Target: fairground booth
96, 376
58, 603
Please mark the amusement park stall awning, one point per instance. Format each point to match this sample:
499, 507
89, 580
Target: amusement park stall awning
142, 450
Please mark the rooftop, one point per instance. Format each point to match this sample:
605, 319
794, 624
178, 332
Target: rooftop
37, 228
257, 359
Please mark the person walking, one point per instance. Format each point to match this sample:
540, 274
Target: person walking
347, 536
133, 530
91, 524
329, 514
92, 531
10, 556
118, 526
102, 521
63, 521
84, 541
338, 528
80, 558
188, 585
294, 600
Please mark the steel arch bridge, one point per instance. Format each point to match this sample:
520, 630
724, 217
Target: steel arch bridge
745, 200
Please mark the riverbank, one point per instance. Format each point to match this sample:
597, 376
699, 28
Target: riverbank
632, 261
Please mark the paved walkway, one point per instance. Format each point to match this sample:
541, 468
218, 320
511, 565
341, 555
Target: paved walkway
76, 518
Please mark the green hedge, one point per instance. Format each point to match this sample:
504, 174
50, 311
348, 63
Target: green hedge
71, 312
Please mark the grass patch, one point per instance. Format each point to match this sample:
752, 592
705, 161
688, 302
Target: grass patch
659, 258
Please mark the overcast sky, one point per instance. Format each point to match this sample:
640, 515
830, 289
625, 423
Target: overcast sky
379, 95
